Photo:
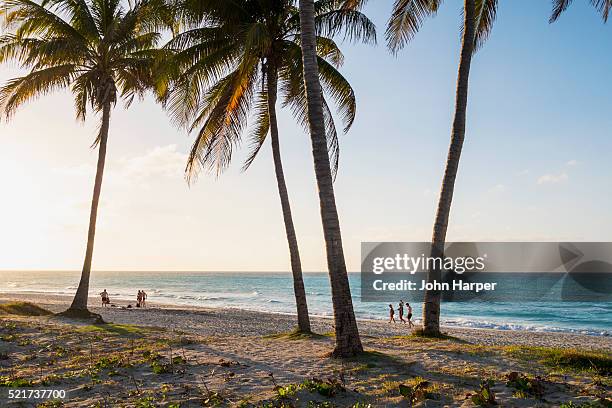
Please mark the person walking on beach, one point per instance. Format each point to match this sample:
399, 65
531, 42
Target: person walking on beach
400, 309
139, 299
105, 299
391, 314
143, 298
410, 324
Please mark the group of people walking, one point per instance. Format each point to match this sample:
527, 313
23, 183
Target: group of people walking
400, 309
141, 298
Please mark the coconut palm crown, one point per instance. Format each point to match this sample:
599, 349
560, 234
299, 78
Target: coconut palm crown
222, 62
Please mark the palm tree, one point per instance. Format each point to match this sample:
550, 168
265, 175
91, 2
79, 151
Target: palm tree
405, 21
230, 65
348, 342
602, 6
98, 49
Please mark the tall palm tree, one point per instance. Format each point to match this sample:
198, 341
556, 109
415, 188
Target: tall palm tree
98, 49
348, 342
602, 6
230, 65
405, 21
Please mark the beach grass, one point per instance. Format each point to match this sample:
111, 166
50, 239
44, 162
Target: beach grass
120, 329
23, 309
566, 359
297, 334
140, 362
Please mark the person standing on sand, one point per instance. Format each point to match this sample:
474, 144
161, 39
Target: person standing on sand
391, 314
400, 309
410, 324
105, 299
138, 299
143, 295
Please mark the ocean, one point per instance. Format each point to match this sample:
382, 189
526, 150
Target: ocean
273, 292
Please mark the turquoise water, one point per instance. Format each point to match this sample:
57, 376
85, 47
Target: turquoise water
273, 292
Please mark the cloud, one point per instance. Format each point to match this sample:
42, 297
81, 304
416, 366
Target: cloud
159, 162
552, 178
572, 162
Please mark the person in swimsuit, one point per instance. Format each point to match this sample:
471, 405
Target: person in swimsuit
400, 309
143, 298
105, 299
391, 314
410, 324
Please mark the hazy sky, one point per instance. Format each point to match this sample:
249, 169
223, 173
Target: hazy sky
535, 166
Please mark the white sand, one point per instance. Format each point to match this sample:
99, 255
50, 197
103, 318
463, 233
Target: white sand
233, 322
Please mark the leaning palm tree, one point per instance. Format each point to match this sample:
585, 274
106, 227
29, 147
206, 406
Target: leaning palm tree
602, 6
98, 49
405, 22
348, 342
229, 66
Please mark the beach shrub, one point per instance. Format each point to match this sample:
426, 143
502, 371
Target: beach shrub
525, 385
108, 362
161, 368
327, 388
417, 389
287, 391
484, 397
145, 402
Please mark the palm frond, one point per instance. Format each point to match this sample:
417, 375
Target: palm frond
221, 121
19, 90
30, 19
406, 20
559, 6
258, 134
353, 25
486, 11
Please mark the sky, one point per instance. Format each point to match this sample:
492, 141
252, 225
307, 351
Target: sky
535, 165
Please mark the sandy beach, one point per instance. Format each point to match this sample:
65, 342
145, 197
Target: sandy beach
162, 356
234, 322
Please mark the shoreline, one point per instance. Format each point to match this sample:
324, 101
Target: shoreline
231, 322
51, 298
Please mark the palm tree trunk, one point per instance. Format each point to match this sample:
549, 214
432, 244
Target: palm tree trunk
348, 342
79, 304
296, 265
431, 304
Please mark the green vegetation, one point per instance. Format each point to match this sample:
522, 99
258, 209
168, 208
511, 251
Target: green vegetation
525, 386
161, 368
484, 397
566, 359
6, 381
120, 329
418, 389
23, 309
589, 404
420, 334
296, 335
